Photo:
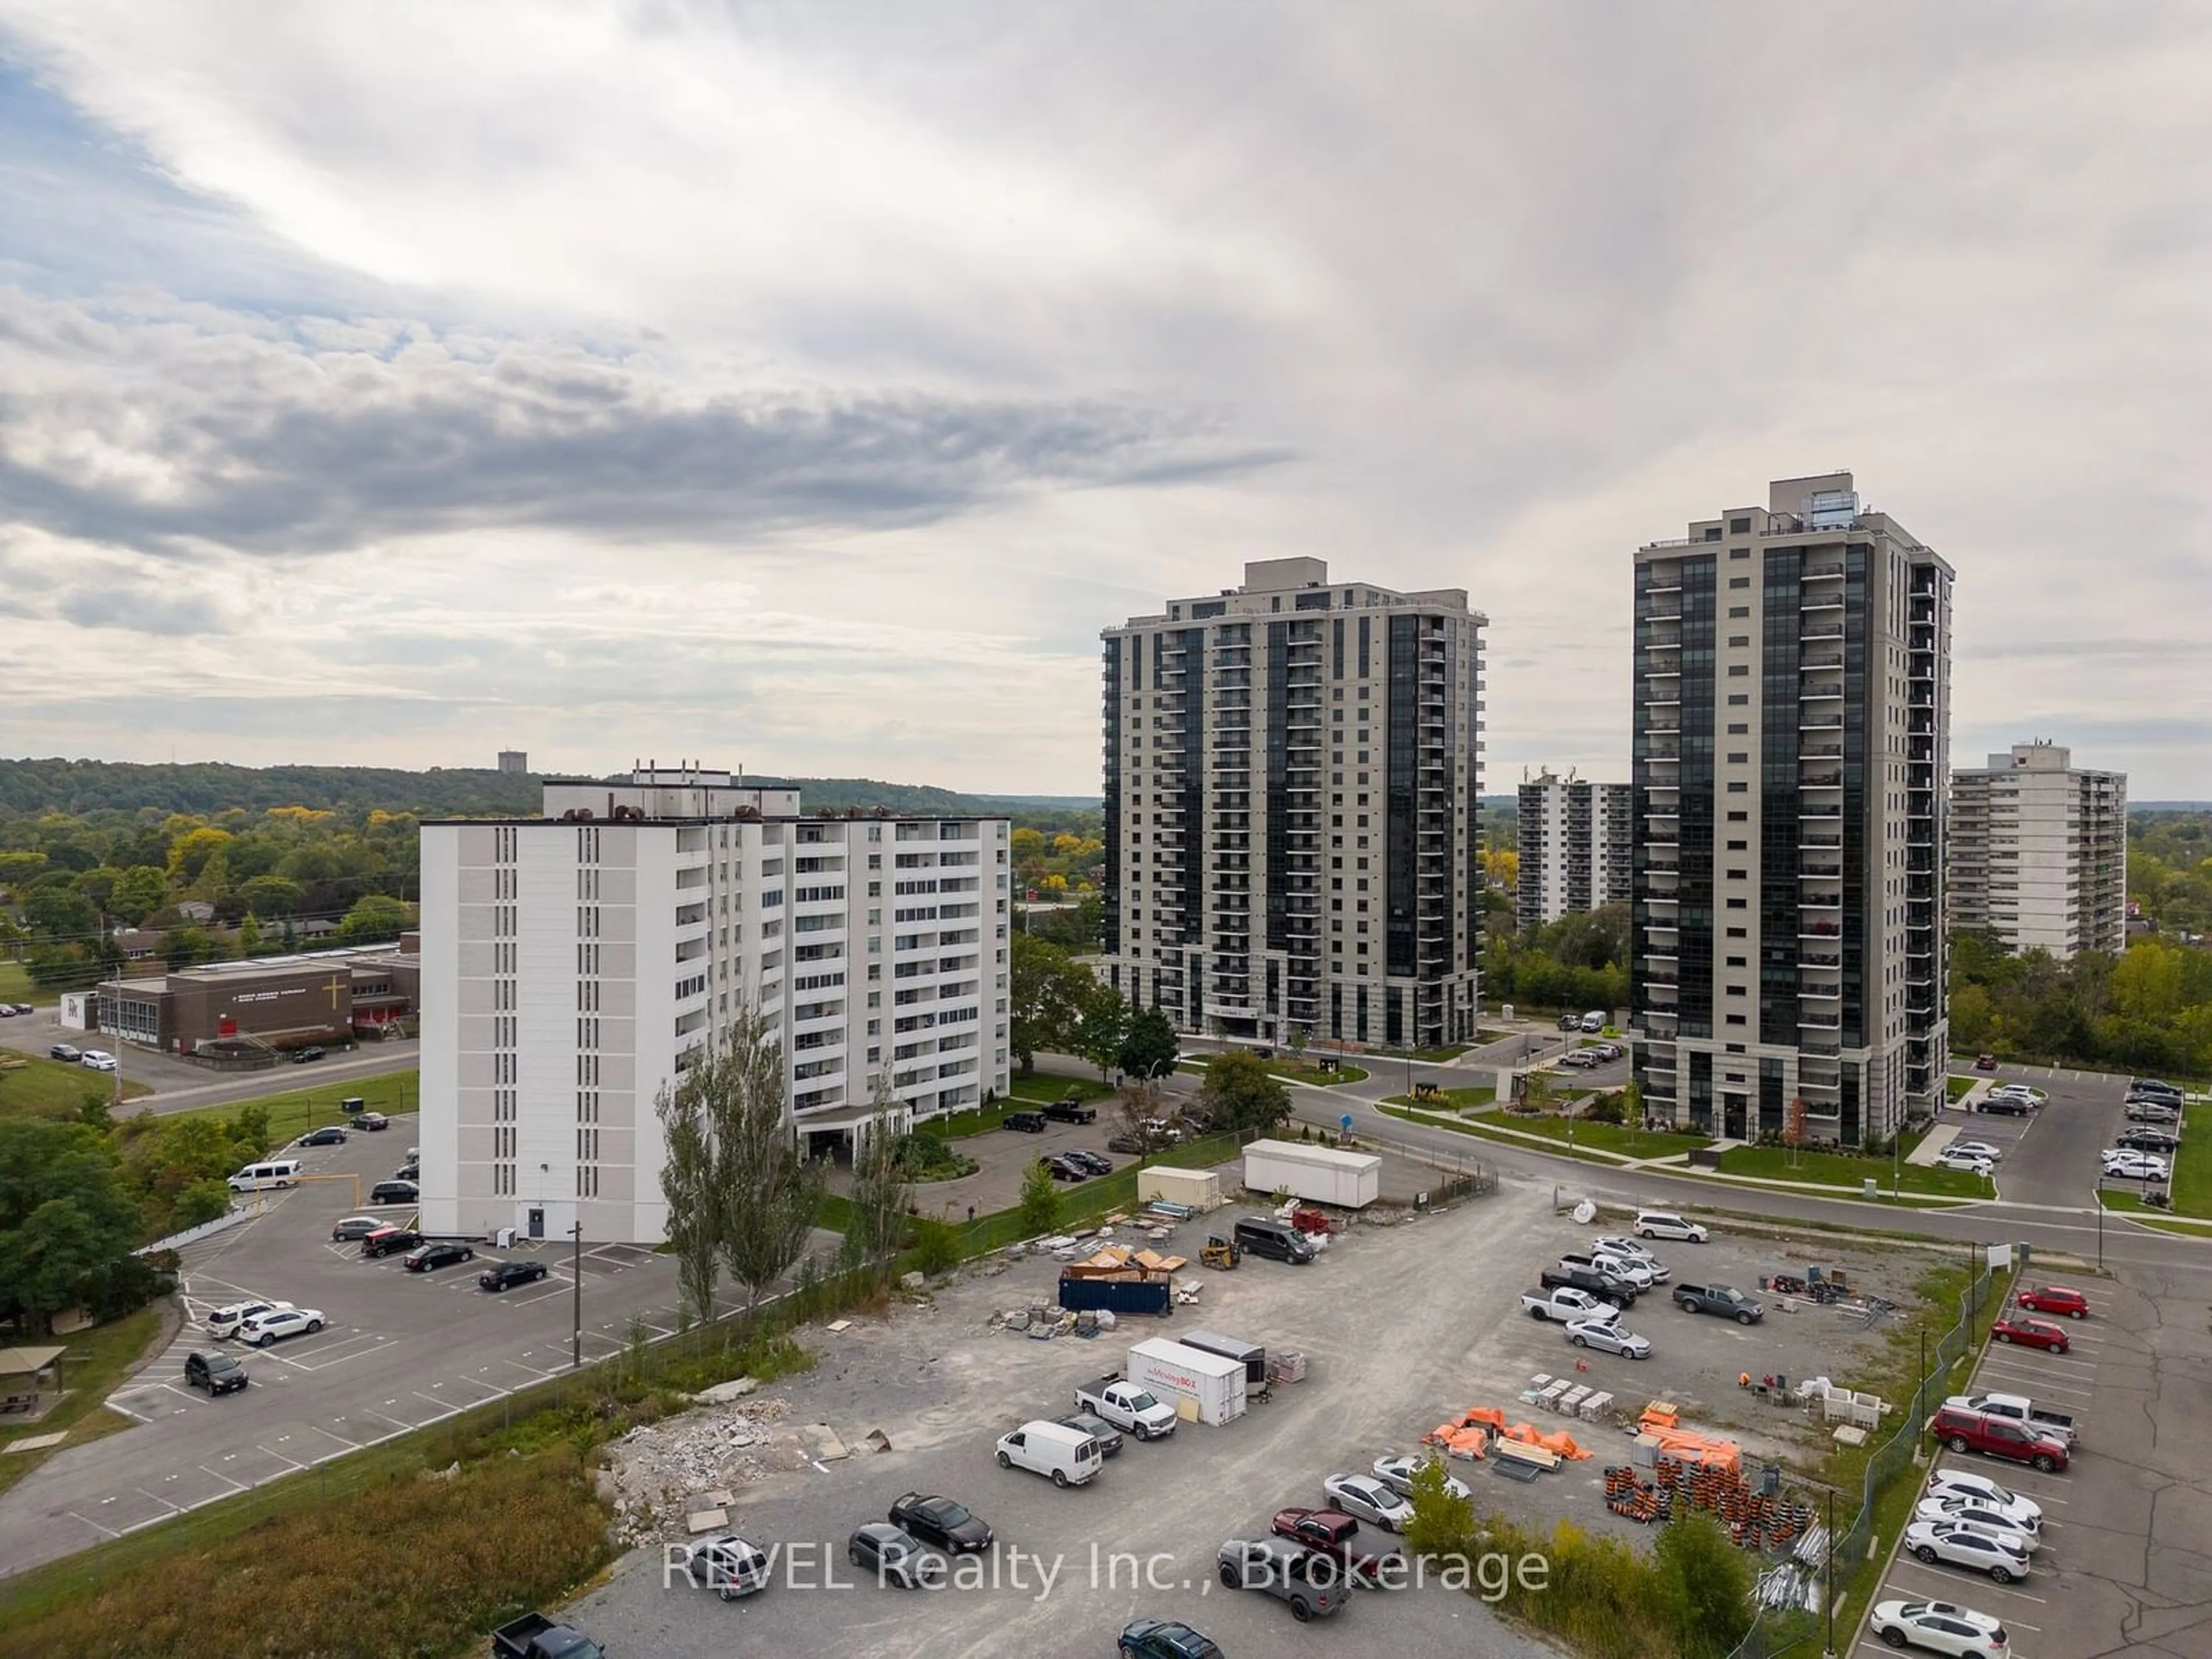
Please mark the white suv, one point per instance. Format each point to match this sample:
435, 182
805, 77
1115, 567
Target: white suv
279, 1322
1665, 1224
1629, 1250
226, 1321
1940, 1627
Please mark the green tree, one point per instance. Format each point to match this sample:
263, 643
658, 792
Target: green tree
767, 1194
1706, 1584
1040, 1203
881, 1193
375, 917
1102, 1025
687, 1181
202, 1200
1301, 1035
270, 895
1443, 1524
188, 947
1151, 1049
138, 893
1240, 1093
62, 914
63, 1215
1046, 992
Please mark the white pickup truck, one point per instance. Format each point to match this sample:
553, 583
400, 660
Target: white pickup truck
2056, 1425
1566, 1303
1128, 1406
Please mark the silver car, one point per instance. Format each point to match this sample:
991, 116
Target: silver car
1607, 1337
1365, 1499
1311, 1583
1397, 1474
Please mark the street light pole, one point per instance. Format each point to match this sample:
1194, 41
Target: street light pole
576, 1272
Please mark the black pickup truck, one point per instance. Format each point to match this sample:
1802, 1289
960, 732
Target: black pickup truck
534, 1636
1602, 1286
1071, 1111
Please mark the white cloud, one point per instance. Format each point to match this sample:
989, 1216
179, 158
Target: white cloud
1514, 288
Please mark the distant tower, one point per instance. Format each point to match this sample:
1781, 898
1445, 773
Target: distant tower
514, 760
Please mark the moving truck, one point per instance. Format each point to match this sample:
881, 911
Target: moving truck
1205, 1386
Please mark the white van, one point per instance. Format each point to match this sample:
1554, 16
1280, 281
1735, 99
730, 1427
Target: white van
279, 1173
1595, 1020
1068, 1456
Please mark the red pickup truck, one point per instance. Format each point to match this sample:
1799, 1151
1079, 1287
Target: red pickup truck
1997, 1437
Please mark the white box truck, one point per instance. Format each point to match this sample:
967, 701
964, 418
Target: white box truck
1208, 1388
1320, 1175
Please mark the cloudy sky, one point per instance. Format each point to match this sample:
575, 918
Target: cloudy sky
803, 387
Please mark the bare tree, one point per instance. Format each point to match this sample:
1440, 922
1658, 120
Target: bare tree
687, 1181
767, 1196
881, 1191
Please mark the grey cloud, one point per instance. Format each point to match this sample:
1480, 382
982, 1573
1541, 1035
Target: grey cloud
142, 609
285, 445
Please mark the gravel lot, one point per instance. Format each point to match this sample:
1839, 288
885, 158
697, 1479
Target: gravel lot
1384, 1368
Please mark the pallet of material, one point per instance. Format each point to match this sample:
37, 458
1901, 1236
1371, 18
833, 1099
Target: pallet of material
1521, 1451
1595, 1407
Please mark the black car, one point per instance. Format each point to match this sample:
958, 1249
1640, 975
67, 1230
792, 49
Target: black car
1108, 1436
431, 1257
1028, 1122
305, 1056
1071, 1111
394, 1191
218, 1373
65, 1054
1096, 1162
408, 1172
329, 1135
894, 1556
941, 1522
2150, 1140
390, 1240
372, 1121
508, 1274
2007, 1106
1165, 1639
1127, 1143
1064, 1168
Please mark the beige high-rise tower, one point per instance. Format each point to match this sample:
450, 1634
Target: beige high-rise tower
2039, 852
1791, 737
1292, 781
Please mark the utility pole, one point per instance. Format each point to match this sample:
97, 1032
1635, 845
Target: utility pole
2100, 1196
576, 1272
1829, 1565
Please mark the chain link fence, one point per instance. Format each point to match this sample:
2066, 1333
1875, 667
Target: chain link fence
1773, 1634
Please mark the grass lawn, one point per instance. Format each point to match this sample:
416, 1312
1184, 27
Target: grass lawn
16, 986
1024, 1094
1289, 1071
1480, 1125
1836, 1170
2193, 1176
1893, 1375
93, 1365
1958, 1086
1454, 1099
1604, 1137
48, 1088
294, 1111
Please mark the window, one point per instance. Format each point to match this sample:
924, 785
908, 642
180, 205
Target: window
1736, 933
1737, 641
1736, 962
1738, 729
1737, 756
1738, 847
1738, 699
1739, 904
1739, 582
1739, 817
1739, 670
1739, 527
1739, 787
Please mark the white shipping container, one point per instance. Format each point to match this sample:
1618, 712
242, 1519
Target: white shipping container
1199, 1189
1320, 1175
1206, 1387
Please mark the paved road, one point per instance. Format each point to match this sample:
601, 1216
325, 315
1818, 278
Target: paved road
181, 1086
401, 1351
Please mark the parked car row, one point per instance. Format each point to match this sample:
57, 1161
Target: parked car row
259, 1324
94, 1059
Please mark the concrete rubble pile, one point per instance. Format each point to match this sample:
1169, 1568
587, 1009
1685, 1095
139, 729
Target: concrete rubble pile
660, 1469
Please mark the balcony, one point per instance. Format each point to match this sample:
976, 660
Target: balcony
1834, 632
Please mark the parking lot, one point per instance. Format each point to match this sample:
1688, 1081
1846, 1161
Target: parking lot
400, 1350
2052, 1158
1384, 1369
2121, 1561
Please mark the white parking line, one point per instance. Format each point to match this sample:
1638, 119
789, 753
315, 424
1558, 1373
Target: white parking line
105, 1531
2041, 1386
1981, 1582
235, 1485
280, 1457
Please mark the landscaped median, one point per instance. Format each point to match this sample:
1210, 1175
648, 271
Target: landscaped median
1462, 1111
1841, 1169
1291, 1071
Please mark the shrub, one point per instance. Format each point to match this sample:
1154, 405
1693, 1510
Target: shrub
936, 1246
1704, 1584
1040, 1205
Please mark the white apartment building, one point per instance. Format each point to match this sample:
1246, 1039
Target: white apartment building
1791, 737
2039, 852
1575, 841
1292, 785
574, 964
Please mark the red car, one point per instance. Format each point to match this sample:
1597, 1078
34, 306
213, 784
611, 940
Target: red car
2055, 1299
1335, 1535
2031, 1334
1985, 1062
